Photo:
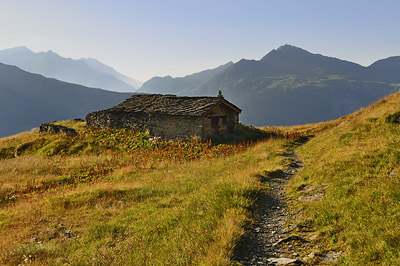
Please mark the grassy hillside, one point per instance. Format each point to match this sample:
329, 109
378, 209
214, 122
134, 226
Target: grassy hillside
116, 197
349, 189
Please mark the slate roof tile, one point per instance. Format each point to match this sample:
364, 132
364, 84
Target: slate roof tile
168, 104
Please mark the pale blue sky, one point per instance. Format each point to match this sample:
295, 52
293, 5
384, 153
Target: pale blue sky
176, 37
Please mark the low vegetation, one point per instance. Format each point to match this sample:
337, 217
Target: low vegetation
118, 197
355, 167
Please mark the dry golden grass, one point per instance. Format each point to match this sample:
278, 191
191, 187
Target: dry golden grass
304, 130
167, 212
358, 161
191, 212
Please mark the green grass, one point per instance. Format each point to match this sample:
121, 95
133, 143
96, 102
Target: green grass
114, 197
117, 197
359, 162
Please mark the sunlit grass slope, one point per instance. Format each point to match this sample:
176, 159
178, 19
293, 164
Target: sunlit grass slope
358, 159
116, 197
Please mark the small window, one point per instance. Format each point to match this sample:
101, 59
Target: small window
224, 120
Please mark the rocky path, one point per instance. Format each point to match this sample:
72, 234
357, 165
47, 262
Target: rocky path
266, 242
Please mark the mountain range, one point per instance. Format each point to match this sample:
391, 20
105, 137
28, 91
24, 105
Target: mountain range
287, 86
291, 86
27, 100
170, 85
87, 72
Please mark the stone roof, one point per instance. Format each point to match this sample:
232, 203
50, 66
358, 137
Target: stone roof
170, 104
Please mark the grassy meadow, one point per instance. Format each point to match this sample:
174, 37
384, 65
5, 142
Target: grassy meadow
355, 164
117, 197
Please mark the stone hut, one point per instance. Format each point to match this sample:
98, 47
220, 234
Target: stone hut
171, 116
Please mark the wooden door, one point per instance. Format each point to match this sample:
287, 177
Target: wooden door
215, 125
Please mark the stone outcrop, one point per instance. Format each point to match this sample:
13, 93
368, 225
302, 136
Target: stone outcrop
54, 129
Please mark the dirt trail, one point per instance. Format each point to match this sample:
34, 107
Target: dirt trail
262, 244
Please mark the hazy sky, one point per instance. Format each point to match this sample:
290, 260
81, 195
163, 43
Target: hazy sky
171, 37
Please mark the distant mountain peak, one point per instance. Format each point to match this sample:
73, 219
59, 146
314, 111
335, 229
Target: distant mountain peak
18, 49
21, 48
87, 72
289, 47
286, 49
53, 54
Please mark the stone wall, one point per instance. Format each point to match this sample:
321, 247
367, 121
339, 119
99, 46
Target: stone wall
166, 126
221, 122
225, 121
54, 129
106, 119
170, 126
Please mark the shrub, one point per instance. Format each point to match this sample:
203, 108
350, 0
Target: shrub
393, 118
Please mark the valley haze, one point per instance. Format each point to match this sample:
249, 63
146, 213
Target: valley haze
287, 86
142, 39
314, 181
85, 71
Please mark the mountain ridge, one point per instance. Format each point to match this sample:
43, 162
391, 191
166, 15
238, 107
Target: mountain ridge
28, 99
169, 85
286, 86
79, 71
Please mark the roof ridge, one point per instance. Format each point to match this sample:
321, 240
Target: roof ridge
170, 104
